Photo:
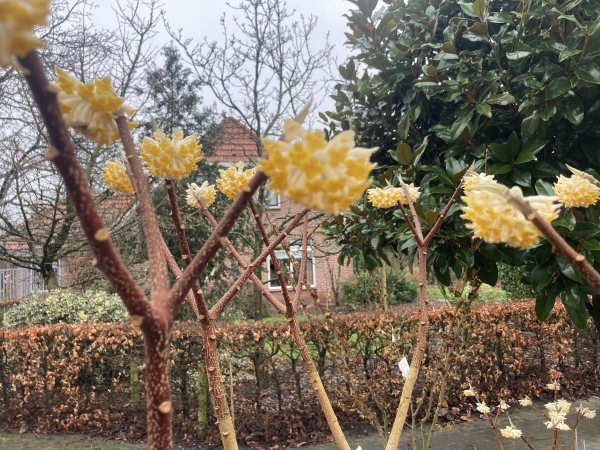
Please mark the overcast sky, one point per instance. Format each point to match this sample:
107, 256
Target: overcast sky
199, 18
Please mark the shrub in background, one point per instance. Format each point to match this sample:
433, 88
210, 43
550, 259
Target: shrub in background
511, 282
365, 288
66, 306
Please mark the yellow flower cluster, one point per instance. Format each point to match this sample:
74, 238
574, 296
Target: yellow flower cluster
91, 108
325, 176
115, 176
576, 191
472, 179
390, 196
494, 219
172, 159
200, 196
234, 179
17, 19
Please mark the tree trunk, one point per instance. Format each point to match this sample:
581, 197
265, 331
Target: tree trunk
158, 391
595, 312
49, 275
202, 401
383, 284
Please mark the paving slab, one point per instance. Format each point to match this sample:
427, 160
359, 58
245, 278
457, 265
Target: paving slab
478, 435
26, 441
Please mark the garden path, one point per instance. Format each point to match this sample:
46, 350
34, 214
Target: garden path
478, 435
475, 435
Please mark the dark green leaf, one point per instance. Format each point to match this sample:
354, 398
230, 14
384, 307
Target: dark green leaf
589, 73
484, 109
541, 276
544, 188
568, 270
499, 169
524, 157
403, 153
530, 124
500, 152
584, 230
460, 124
544, 303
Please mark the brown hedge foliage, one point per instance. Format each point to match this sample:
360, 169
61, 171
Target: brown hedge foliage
76, 378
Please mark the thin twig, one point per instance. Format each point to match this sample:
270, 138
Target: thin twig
158, 271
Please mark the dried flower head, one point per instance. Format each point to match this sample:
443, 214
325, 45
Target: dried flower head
511, 432
200, 196
559, 407
483, 408
503, 405
495, 219
91, 108
576, 191
325, 176
115, 177
553, 386
234, 179
17, 20
172, 159
525, 401
586, 412
469, 392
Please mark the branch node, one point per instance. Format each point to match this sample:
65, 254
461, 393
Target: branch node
136, 321
185, 256
51, 153
246, 189
165, 407
211, 369
182, 226
53, 88
199, 291
102, 234
223, 241
580, 258
213, 337
94, 262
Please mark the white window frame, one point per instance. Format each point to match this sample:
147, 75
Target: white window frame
296, 251
278, 197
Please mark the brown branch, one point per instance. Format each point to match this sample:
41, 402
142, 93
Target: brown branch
274, 259
199, 303
559, 245
62, 155
209, 344
442, 216
411, 205
217, 309
263, 289
302, 272
158, 272
213, 243
410, 224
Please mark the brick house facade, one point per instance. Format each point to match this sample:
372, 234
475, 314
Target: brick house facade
323, 270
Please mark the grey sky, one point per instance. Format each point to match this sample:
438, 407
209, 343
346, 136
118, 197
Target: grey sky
200, 18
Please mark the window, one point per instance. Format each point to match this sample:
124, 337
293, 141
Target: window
284, 261
272, 200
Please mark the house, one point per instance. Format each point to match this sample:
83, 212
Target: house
22, 249
322, 270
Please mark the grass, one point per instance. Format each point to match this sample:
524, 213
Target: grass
487, 293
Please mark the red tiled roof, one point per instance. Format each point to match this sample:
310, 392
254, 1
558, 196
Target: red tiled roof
239, 143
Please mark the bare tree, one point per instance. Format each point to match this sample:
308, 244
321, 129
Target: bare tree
38, 225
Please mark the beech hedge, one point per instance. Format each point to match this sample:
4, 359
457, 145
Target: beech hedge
78, 378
